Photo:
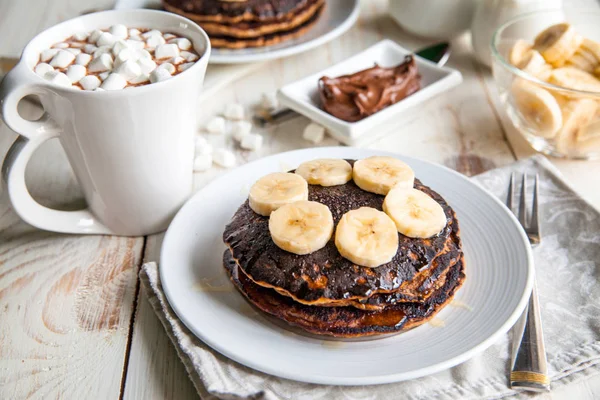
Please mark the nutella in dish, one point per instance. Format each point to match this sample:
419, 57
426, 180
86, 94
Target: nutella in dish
356, 96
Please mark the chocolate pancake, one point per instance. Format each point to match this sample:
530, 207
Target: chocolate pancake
347, 322
325, 277
236, 11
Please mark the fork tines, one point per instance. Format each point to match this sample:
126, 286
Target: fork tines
531, 227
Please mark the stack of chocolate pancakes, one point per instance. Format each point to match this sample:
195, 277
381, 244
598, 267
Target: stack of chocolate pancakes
236, 24
326, 294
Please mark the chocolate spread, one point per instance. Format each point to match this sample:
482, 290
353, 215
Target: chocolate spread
354, 97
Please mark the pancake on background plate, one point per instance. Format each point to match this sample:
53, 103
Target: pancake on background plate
346, 248
237, 24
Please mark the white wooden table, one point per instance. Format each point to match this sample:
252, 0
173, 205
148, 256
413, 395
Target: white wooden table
73, 323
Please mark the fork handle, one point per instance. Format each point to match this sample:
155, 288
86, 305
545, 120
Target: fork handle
529, 370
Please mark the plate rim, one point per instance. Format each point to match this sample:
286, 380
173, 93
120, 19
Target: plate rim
216, 58
375, 379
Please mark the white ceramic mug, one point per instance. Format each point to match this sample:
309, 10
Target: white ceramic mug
131, 150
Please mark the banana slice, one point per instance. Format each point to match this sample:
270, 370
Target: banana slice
275, 190
591, 131
325, 171
574, 78
592, 47
537, 107
583, 60
415, 214
301, 227
597, 72
558, 43
533, 63
380, 174
367, 237
576, 115
518, 51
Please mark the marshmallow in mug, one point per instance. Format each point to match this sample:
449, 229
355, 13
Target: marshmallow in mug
116, 58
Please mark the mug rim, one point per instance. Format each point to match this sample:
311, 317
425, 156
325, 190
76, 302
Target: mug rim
110, 14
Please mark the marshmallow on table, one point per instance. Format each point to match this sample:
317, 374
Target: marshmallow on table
114, 82
57, 78
42, 68
202, 146
203, 162
240, 128
47, 55
90, 82
62, 59
106, 39
224, 158
166, 51
83, 59
252, 141
129, 70
234, 111
314, 133
216, 125
159, 75
269, 101
119, 31
102, 63
76, 72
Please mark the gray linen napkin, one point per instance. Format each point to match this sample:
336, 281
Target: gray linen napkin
569, 289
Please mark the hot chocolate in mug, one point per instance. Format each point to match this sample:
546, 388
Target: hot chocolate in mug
131, 150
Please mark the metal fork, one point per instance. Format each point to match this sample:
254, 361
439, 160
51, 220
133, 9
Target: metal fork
529, 370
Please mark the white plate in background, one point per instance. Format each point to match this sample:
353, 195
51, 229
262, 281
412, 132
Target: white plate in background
499, 270
303, 95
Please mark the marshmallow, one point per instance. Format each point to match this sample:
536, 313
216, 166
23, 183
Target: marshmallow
99, 89
224, 158
119, 31
154, 41
89, 82
119, 46
134, 32
129, 70
42, 68
76, 72
62, 59
114, 82
234, 111
47, 55
159, 74
81, 36
239, 129
141, 78
106, 39
252, 141
183, 67
135, 44
188, 56
94, 36
147, 65
313, 133
125, 55
182, 43
150, 33
102, 63
169, 36
60, 46
203, 162
177, 60
89, 48
104, 75
168, 66
141, 53
102, 50
57, 78
83, 59
202, 146
268, 101
74, 51
166, 51
216, 125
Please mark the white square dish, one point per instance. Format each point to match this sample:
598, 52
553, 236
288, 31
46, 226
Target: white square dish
302, 96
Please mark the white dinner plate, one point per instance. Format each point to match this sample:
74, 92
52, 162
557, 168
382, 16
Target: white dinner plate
499, 271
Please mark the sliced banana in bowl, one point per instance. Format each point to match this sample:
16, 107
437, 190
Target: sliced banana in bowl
325, 171
380, 174
367, 237
275, 190
537, 108
558, 43
301, 227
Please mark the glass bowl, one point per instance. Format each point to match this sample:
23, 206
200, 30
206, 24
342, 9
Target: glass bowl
555, 120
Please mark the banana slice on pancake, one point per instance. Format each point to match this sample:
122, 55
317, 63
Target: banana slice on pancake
367, 237
275, 190
537, 107
415, 214
379, 174
518, 51
558, 43
326, 171
533, 63
574, 78
301, 227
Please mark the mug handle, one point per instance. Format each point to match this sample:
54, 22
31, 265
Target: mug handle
17, 84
